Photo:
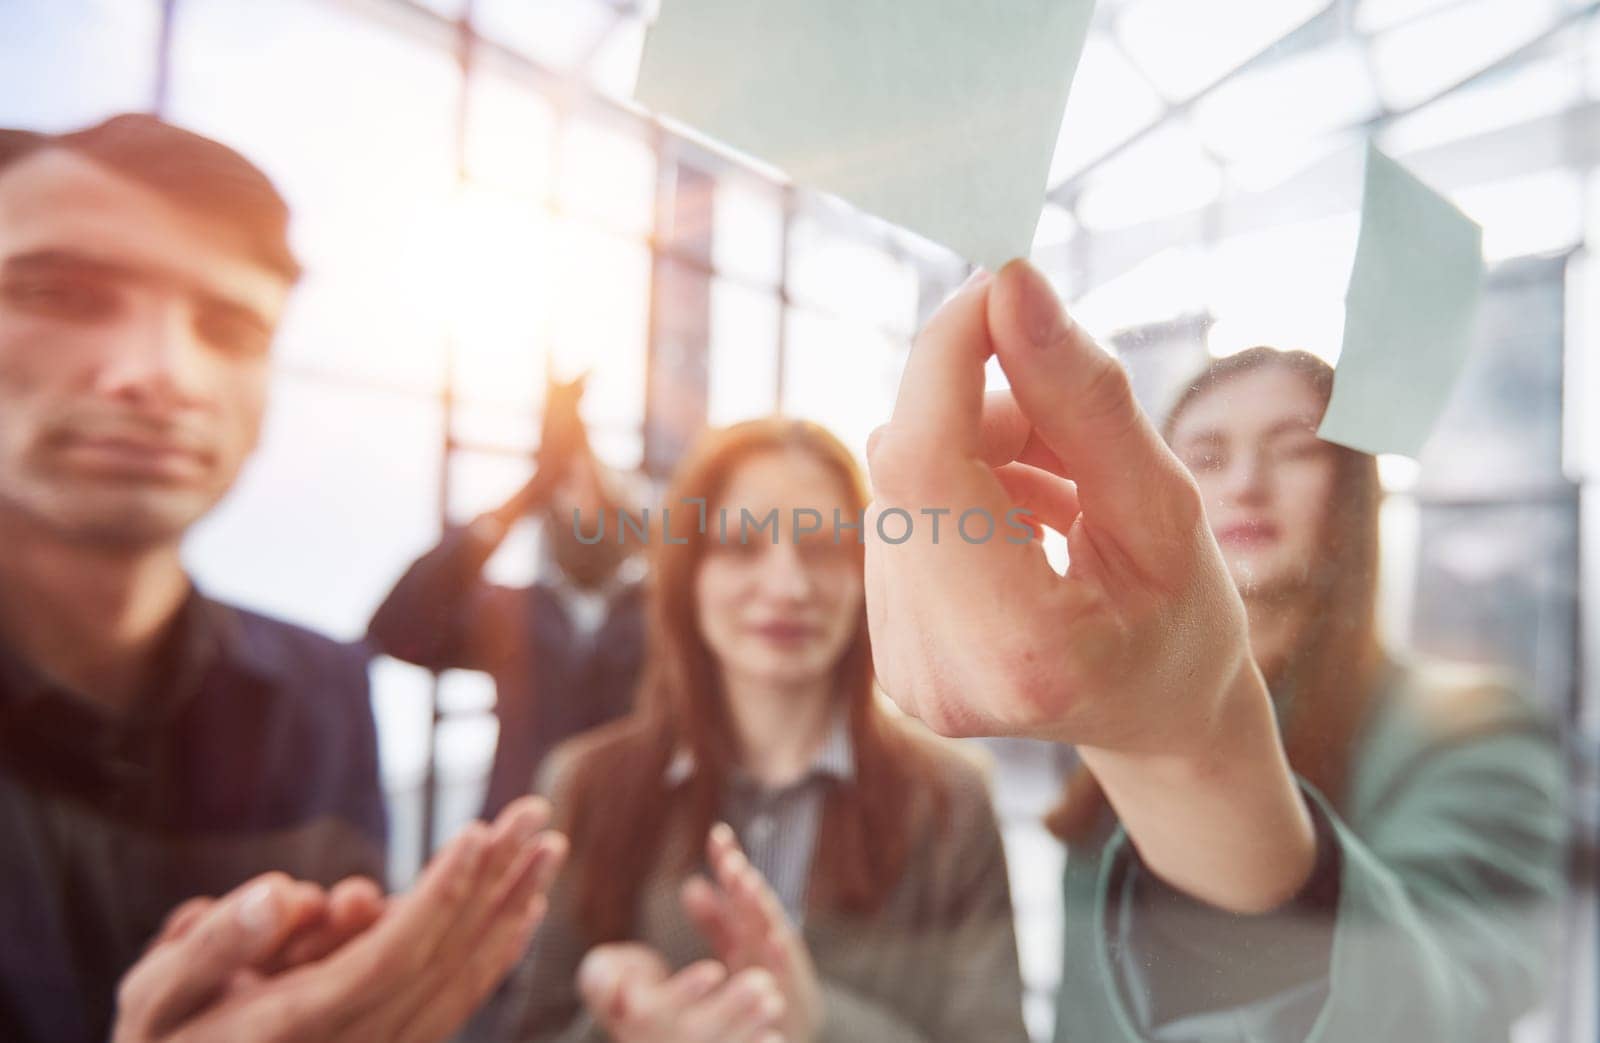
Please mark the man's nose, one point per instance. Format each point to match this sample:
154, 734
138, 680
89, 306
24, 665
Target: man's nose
155, 358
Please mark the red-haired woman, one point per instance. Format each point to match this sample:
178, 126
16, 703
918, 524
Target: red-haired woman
861, 891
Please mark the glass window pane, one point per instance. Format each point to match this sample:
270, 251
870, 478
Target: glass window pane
510, 136
67, 65
840, 373
465, 742
341, 496
447, 8
1411, 66
1541, 213
1509, 603
366, 162
1517, 96
1298, 99
1110, 100
1373, 15
613, 68
1169, 285
483, 481
1056, 227
836, 272
619, 445
1166, 173
747, 230
1269, 164
1161, 360
1583, 351
1301, 324
1591, 45
601, 303
555, 33
1184, 46
743, 364
1257, 299
495, 425
1501, 433
609, 175
347, 325
400, 702
497, 263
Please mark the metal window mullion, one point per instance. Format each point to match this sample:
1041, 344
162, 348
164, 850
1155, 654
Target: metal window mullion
447, 403
161, 90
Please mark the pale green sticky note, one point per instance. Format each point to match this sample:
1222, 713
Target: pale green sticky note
1409, 315
940, 116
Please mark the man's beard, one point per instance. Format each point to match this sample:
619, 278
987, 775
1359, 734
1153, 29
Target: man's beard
100, 515
586, 564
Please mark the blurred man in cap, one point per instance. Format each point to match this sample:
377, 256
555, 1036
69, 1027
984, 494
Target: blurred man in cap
565, 652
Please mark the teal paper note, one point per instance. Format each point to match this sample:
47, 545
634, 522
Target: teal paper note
1409, 315
940, 116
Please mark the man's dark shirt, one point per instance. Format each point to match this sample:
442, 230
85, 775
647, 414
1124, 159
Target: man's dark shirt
551, 681
254, 750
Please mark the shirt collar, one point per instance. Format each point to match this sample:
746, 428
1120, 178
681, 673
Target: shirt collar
205, 632
835, 758
247, 649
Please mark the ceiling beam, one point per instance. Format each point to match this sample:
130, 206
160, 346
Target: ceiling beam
1312, 32
1332, 22
1567, 140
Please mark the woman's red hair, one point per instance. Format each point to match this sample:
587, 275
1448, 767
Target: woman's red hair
618, 810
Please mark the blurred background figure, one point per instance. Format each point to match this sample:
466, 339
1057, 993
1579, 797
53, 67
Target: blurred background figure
565, 651
863, 870
155, 744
